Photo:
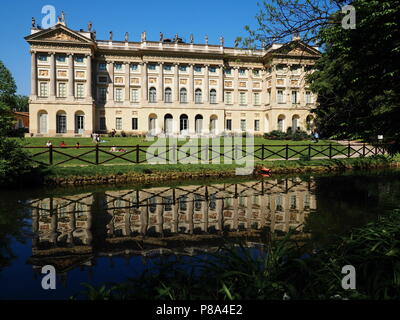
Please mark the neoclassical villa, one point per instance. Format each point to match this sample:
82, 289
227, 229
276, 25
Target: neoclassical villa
81, 85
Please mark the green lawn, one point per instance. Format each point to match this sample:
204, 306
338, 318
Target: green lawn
129, 144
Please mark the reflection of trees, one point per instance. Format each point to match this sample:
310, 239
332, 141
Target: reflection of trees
13, 224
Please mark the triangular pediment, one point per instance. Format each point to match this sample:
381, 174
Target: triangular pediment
58, 33
297, 48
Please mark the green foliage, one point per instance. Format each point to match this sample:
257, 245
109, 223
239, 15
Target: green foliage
299, 135
21, 103
6, 119
7, 86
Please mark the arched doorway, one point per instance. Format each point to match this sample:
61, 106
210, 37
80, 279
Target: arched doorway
198, 123
213, 124
80, 122
42, 122
168, 124
61, 122
281, 123
295, 123
153, 124
266, 124
183, 124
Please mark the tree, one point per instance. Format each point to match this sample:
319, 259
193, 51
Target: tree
21, 103
7, 86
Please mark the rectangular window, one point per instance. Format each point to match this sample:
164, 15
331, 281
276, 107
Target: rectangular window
280, 96
103, 79
43, 92
42, 57
294, 97
134, 123
308, 97
213, 69
228, 97
61, 58
102, 94
242, 98
256, 72
80, 90
135, 95
167, 67
182, 68
61, 123
228, 71
197, 69
118, 123
103, 123
79, 59
118, 67
256, 125
242, 72
118, 94
134, 67
243, 125
62, 90
102, 66
229, 124
152, 67
256, 99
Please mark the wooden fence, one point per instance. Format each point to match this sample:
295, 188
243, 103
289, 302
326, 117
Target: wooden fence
138, 154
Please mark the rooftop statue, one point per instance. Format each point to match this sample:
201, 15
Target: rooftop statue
161, 37
111, 35
126, 36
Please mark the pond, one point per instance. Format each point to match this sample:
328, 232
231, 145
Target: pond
106, 234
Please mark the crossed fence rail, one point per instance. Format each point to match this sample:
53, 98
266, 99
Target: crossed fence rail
138, 154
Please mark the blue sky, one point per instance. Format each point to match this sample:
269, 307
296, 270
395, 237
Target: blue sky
200, 17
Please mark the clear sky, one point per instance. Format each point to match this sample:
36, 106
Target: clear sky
212, 17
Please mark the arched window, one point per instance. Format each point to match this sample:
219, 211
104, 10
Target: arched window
198, 96
152, 95
183, 123
61, 122
213, 96
198, 122
168, 95
183, 95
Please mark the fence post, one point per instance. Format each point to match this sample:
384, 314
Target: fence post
309, 151
51, 154
349, 151
287, 152
330, 151
97, 154
262, 152
363, 150
137, 153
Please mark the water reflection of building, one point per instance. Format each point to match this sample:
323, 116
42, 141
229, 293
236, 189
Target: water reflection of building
70, 231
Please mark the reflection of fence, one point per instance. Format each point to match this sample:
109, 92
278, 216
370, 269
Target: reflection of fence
99, 155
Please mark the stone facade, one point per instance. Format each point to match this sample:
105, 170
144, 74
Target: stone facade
82, 85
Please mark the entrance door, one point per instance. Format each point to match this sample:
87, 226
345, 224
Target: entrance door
43, 123
80, 124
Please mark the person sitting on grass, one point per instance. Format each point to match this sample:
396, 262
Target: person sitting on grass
77, 145
62, 144
49, 144
113, 149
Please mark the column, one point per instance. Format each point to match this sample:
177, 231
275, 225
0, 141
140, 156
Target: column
52, 75
235, 85
110, 67
33, 74
89, 76
191, 84
127, 81
71, 76
221, 85
250, 88
176, 83
144, 96
160, 90
206, 85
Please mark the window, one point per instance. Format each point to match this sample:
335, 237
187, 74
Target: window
182, 68
229, 124
103, 79
256, 99
152, 67
242, 98
118, 67
102, 66
198, 96
256, 125
243, 125
134, 123
212, 69
79, 59
228, 97
79, 90
152, 95
62, 92
61, 123
308, 97
280, 67
242, 72
294, 97
42, 57
118, 94
168, 95
103, 123
61, 58
183, 95
213, 96
197, 68
43, 92
280, 96
102, 94
167, 67
134, 67
256, 72
228, 71
134, 95
118, 123
293, 202
184, 123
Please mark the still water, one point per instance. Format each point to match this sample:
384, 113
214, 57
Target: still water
104, 234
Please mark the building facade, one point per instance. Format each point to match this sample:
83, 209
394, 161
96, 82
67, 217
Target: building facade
81, 85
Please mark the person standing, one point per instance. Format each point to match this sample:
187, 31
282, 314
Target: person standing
316, 136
